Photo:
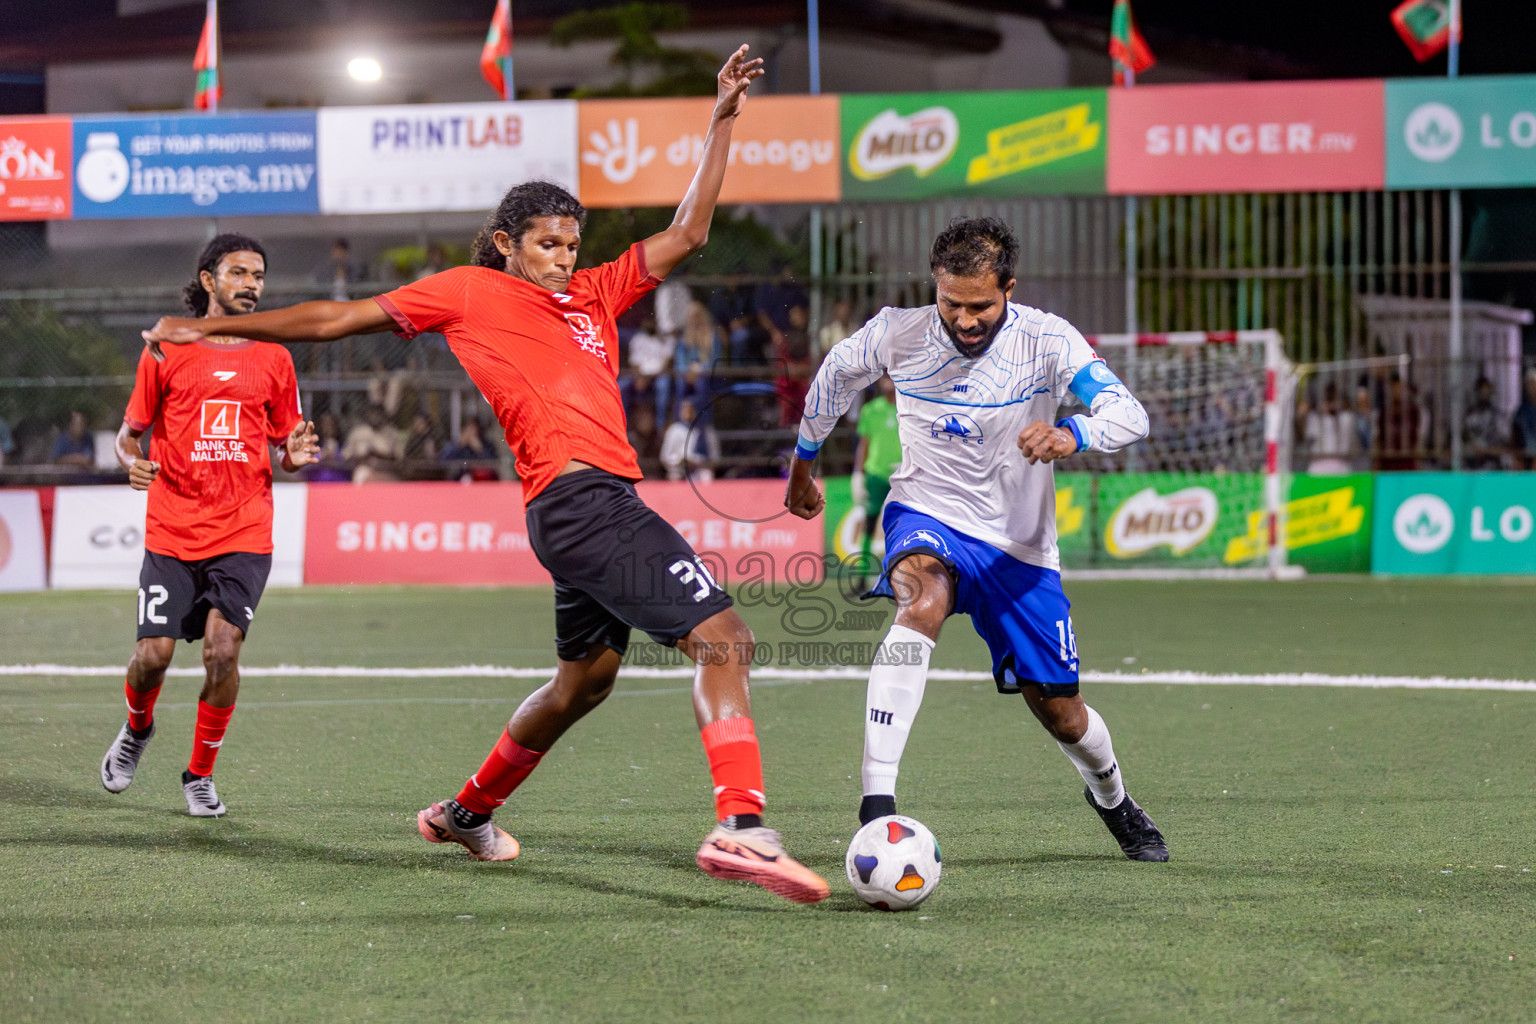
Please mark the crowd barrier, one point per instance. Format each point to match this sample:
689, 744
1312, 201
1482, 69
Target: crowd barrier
458, 534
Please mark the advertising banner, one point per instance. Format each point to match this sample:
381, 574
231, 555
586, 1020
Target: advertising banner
1444, 523
21, 542
1461, 133
441, 156
450, 533
195, 166
34, 168
1246, 137
917, 145
1327, 526
644, 152
98, 536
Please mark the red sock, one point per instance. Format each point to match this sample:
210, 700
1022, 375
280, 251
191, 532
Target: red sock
505, 768
208, 736
141, 707
736, 765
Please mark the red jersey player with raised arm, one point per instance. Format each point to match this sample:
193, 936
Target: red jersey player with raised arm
215, 407
539, 340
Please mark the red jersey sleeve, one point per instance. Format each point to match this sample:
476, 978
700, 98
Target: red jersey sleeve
144, 403
623, 282
433, 304
283, 409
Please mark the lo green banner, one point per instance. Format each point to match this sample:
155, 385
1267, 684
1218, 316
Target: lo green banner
917, 145
1461, 133
1440, 523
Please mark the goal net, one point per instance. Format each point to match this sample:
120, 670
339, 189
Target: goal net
1204, 492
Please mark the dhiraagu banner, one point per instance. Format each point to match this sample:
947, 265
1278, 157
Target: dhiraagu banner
1445, 523
917, 145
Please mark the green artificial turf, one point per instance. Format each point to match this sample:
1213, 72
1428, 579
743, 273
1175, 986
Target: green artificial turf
1338, 854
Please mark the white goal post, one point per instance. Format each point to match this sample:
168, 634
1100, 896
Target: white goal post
1220, 406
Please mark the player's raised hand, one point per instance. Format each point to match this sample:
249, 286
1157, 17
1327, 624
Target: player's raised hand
303, 445
1041, 442
733, 80
172, 330
142, 473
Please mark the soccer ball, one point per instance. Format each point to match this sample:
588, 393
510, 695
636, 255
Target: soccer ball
893, 862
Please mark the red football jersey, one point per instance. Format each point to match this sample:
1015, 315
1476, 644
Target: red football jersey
548, 362
215, 408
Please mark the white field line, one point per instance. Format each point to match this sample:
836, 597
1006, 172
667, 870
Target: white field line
768, 672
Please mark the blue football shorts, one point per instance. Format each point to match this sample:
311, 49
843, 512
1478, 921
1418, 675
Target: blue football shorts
1019, 609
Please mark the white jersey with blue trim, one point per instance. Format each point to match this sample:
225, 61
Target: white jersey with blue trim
960, 418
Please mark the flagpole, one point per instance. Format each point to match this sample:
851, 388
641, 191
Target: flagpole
1132, 267
813, 44
214, 44
1454, 374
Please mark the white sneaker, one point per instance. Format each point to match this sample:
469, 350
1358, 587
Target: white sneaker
122, 758
202, 799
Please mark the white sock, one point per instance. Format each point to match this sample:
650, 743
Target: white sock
1094, 756
896, 683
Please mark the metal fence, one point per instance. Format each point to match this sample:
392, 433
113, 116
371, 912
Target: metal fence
1322, 268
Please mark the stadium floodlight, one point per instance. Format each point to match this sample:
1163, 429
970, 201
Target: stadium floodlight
365, 69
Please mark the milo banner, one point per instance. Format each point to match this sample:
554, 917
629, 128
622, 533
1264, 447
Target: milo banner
918, 145
1444, 523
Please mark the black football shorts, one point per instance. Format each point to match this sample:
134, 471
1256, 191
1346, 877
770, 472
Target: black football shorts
617, 565
175, 596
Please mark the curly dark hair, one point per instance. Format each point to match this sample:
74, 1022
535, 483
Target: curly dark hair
971, 246
193, 296
515, 215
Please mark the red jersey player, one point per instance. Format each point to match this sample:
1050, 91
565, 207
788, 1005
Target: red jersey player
215, 406
541, 344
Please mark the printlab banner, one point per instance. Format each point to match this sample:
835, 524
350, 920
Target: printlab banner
1445, 523
1461, 133
644, 152
1246, 137
34, 168
917, 145
423, 157
203, 166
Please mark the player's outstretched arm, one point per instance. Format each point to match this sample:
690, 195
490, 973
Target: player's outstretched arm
307, 321
690, 228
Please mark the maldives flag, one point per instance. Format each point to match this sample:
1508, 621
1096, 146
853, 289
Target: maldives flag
1126, 47
206, 63
1425, 26
496, 55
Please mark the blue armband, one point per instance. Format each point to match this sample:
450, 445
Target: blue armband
1075, 424
1092, 379
805, 451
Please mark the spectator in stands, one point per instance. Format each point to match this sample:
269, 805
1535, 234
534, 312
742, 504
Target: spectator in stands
1400, 425
1365, 428
329, 466
437, 261
7, 442
650, 357
697, 387
701, 338
472, 454
1523, 427
644, 439
774, 298
793, 354
1328, 432
75, 446
374, 447
1483, 430
339, 270
838, 326
421, 443
685, 448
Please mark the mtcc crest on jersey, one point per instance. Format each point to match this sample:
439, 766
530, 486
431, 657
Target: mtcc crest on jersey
957, 426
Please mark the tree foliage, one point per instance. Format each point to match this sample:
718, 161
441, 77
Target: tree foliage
650, 67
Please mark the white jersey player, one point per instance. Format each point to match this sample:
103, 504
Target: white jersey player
971, 522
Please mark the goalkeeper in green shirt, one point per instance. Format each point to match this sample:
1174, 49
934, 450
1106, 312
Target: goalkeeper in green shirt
876, 458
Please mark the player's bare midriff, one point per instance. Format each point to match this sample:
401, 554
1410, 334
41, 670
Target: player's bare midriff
574, 467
